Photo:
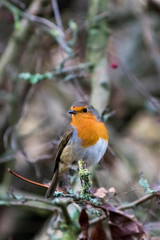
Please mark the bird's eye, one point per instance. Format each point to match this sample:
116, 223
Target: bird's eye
84, 110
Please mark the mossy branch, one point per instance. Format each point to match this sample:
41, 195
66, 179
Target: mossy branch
84, 175
68, 73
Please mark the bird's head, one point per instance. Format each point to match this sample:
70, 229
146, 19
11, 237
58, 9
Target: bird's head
81, 110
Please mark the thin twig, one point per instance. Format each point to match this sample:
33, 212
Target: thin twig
76, 68
42, 21
139, 86
137, 83
136, 202
17, 38
127, 206
27, 180
34, 18
73, 71
95, 220
57, 14
149, 37
50, 27
34, 202
7, 158
19, 4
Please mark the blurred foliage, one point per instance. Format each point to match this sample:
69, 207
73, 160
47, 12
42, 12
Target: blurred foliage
104, 52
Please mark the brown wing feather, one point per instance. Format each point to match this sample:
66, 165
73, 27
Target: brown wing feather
67, 135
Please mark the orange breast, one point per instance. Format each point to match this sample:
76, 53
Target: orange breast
89, 129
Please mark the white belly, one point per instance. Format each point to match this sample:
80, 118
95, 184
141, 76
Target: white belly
91, 155
94, 153
73, 152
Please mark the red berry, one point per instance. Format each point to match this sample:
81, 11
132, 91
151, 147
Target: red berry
114, 65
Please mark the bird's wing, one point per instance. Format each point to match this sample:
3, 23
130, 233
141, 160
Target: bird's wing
67, 135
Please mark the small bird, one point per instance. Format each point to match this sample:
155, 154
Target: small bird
86, 138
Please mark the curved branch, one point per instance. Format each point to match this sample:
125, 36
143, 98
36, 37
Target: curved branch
136, 202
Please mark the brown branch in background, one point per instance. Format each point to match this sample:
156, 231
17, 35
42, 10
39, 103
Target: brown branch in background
136, 82
149, 36
80, 67
14, 154
7, 158
136, 202
19, 4
127, 206
47, 26
139, 86
18, 36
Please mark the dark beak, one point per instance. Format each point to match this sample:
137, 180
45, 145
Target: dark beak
72, 112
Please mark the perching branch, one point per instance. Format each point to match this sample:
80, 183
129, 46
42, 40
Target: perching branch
42, 203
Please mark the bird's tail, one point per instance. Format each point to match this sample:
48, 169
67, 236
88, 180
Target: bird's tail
53, 184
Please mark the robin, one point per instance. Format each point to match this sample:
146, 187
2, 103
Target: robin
86, 138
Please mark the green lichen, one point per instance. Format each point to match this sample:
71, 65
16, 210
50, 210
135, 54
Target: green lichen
35, 78
95, 201
58, 194
144, 183
86, 183
95, 212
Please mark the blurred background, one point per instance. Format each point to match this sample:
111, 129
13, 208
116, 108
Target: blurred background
103, 52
